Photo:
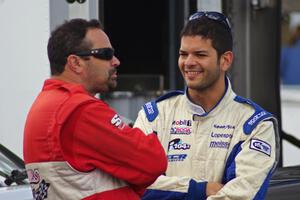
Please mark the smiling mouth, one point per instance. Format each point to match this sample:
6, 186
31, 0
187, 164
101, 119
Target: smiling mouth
192, 74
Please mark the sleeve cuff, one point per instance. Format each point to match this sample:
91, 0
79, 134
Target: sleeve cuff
197, 190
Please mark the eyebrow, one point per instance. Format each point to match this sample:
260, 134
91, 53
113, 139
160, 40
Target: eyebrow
194, 52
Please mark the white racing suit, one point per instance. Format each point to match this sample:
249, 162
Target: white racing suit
235, 144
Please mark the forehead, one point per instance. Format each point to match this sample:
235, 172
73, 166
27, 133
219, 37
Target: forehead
195, 43
97, 38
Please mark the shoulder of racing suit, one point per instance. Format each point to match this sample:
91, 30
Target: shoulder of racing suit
150, 107
71, 104
259, 115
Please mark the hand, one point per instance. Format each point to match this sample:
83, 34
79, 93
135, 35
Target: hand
212, 188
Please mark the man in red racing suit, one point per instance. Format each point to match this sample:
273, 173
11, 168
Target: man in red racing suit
75, 145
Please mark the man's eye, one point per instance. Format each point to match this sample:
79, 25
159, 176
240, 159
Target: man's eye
183, 54
201, 55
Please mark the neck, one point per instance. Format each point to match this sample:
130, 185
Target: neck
69, 78
209, 97
66, 78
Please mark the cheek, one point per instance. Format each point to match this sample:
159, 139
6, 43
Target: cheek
104, 75
98, 75
180, 64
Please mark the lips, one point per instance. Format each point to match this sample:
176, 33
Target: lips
192, 74
113, 73
114, 76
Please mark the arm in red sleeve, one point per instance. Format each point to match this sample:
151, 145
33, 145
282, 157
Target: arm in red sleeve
95, 137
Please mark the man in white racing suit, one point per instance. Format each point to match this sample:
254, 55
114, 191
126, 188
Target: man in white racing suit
220, 146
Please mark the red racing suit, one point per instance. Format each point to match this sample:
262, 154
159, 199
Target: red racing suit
77, 147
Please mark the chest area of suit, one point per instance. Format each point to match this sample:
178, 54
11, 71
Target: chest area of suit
187, 137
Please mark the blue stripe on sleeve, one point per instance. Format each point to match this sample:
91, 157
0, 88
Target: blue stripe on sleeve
197, 190
263, 189
163, 195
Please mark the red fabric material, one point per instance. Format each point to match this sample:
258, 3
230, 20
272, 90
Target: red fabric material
67, 124
118, 194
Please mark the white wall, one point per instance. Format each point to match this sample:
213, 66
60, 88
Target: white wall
24, 65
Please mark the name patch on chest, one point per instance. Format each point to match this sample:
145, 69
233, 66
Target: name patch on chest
260, 146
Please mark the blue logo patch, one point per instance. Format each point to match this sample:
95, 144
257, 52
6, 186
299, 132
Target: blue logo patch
260, 146
177, 144
149, 108
177, 157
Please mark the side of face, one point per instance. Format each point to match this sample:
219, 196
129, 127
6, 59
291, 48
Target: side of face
101, 75
199, 63
96, 75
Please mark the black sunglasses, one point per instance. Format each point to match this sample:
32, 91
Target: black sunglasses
101, 53
213, 16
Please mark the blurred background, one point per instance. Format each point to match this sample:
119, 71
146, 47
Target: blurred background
145, 35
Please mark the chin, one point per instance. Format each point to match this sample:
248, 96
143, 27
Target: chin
196, 86
193, 84
112, 87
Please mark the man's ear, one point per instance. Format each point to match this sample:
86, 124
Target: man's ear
75, 64
226, 60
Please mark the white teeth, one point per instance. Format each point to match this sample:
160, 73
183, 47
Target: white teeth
193, 73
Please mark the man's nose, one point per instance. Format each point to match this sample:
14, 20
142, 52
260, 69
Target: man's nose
115, 61
190, 60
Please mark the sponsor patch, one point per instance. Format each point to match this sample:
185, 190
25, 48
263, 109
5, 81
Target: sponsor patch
177, 157
33, 176
219, 144
260, 146
180, 130
149, 108
257, 117
182, 122
117, 121
224, 126
220, 135
177, 144
181, 127
41, 192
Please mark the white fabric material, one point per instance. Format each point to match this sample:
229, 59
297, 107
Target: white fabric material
198, 145
61, 173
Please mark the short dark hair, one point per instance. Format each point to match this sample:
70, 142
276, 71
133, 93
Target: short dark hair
211, 29
66, 39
